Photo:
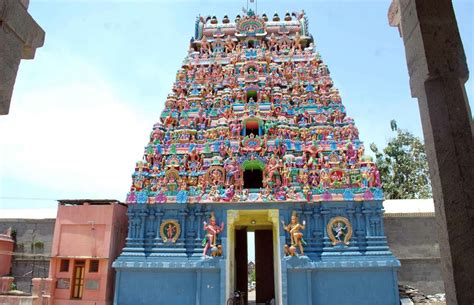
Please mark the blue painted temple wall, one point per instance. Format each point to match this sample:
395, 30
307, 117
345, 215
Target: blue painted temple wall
150, 271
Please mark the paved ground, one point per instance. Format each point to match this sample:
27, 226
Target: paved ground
252, 298
251, 295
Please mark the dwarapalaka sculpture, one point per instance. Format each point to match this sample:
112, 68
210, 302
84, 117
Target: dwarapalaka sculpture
296, 236
210, 240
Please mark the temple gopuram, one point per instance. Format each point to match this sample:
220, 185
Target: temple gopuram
254, 137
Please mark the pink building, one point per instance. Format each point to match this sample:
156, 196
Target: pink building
88, 236
6, 248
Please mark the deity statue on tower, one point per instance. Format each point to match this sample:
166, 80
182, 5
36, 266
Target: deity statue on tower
210, 240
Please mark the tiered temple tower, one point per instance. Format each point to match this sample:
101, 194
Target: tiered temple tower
254, 137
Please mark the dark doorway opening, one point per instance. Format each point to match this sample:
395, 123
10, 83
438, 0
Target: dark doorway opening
253, 179
253, 127
252, 95
251, 267
264, 267
259, 288
250, 44
249, 131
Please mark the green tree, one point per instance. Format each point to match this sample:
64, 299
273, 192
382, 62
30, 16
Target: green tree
252, 275
403, 166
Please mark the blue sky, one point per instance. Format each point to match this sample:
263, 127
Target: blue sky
82, 110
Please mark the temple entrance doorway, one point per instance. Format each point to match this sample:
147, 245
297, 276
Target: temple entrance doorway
256, 277
252, 127
253, 244
252, 94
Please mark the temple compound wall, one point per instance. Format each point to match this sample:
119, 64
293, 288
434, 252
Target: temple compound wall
413, 241
410, 227
32, 251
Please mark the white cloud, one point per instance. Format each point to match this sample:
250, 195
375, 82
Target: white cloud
74, 136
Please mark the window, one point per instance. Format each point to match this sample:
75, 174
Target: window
253, 179
253, 127
249, 131
252, 94
94, 265
64, 267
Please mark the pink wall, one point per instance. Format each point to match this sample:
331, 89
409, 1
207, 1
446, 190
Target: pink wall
85, 230
84, 233
6, 248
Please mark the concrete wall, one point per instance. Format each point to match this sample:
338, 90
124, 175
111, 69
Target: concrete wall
29, 232
413, 240
34, 238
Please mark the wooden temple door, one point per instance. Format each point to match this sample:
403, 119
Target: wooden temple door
264, 266
241, 265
